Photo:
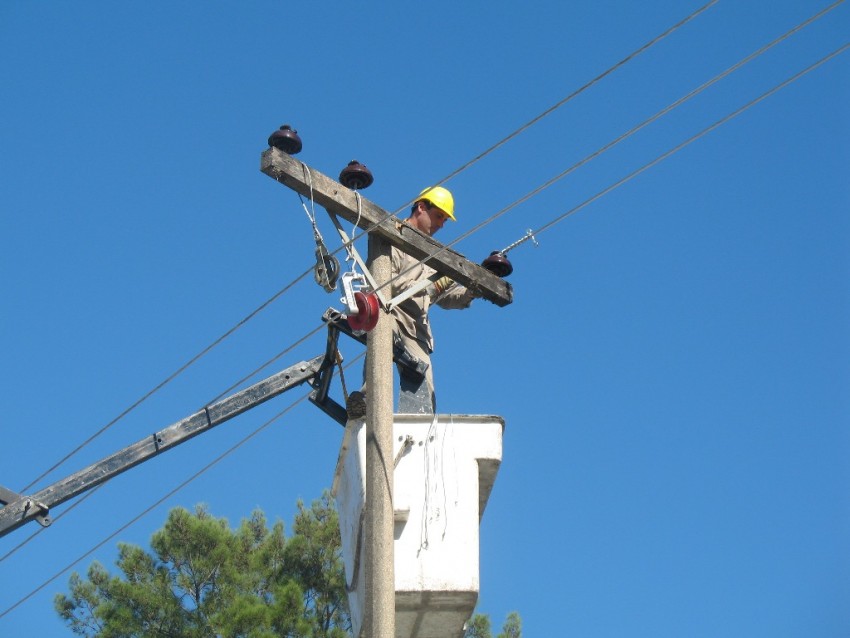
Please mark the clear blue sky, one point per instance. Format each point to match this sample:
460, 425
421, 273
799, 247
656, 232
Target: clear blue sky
674, 370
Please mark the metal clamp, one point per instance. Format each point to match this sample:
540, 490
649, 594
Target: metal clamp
352, 283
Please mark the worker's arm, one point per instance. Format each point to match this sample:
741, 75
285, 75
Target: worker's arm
450, 294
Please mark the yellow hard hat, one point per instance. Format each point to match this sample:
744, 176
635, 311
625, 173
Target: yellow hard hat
441, 198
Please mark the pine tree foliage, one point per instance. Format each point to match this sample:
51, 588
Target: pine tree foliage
479, 627
205, 580
202, 579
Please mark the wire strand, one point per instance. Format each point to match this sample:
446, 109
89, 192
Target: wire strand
550, 110
217, 398
579, 91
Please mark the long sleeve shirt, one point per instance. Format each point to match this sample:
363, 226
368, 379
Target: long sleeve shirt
411, 315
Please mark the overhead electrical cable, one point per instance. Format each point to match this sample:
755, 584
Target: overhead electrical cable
678, 147
578, 91
220, 395
620, 182
170, 378
454, 173
621, 138
549, 111
691, 139
265, 365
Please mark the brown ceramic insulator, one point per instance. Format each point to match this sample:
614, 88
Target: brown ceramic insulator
498, 264
356, 176
286, 139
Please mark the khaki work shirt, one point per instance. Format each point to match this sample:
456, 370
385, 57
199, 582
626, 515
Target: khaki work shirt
411, 315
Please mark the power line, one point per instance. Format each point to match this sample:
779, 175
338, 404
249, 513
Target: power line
481, 225
550, 110
580, 90
266, 364
614, 142
152, 507
638, 171
538, 231
691, 139
170, 378
454, 173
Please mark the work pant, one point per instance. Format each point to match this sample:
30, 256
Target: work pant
415, 395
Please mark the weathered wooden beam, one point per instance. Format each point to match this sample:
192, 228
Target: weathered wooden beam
342, 201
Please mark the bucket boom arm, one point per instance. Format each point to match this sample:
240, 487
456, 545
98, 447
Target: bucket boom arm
20, 509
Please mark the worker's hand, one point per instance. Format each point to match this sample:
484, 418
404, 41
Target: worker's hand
448, 293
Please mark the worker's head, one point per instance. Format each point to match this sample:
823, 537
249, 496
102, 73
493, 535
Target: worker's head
431, 210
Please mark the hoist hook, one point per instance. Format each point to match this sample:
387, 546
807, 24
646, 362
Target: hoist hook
326, 271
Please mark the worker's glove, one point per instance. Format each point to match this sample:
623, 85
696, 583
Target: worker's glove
439, 287
460, 296
442, 284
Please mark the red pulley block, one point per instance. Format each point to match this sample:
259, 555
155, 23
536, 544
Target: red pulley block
368, 311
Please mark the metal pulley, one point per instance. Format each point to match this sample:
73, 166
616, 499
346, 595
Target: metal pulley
286, 139
356, 176
368, 311
362, 308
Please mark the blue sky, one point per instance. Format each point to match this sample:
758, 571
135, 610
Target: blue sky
673, 372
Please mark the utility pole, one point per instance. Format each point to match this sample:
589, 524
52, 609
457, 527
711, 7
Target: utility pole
384, 231
379, 616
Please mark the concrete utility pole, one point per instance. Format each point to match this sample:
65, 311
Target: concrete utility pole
384, 231
379, 616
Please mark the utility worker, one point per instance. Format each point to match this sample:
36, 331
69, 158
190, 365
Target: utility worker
411, 327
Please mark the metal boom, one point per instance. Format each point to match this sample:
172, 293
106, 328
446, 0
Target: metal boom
20, 509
